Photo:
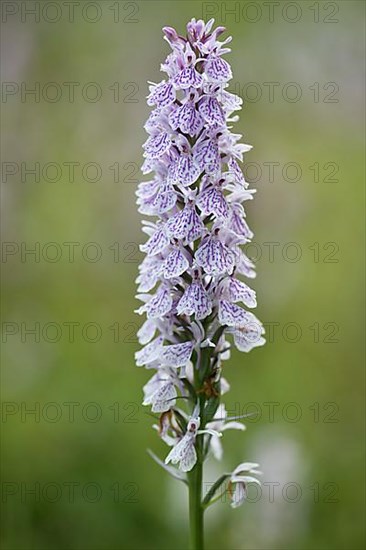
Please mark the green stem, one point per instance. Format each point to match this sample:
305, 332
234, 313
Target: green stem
196, 509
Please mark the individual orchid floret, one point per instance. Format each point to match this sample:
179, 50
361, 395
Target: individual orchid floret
239, 480
161, 392
184, 451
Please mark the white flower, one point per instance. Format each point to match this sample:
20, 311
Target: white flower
219, 424
238, 482
184, 451
160, 392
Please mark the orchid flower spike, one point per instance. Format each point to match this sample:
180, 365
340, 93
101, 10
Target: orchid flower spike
191, 281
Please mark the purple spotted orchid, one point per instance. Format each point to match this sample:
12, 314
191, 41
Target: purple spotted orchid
190, 281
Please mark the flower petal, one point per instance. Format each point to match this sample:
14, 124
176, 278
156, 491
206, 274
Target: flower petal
211, 110
175, 264
185, 225
149, 353
156, 244
217, 69
232, 315
186, 78
176, 355
195, 300
214, 257
213, 201
160, 304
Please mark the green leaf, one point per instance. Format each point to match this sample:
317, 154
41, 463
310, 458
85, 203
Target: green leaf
211, 493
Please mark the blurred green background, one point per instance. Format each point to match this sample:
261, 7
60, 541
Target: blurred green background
83, 452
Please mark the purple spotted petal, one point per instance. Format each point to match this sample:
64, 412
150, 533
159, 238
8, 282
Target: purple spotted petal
185, 225
175, 264
146, 332
162, 95
160, 304
165, 199
153, 121
250, 335
244, 266
231, 314
187, 78
218, 70
240, 292
230, 102
238, 224
156, 146
211, 110
156, 244
207, 156
164, 398
149, 353
195, 301
214, 257
190, 120
147, 189
236, 172
174, 117
212, 201
187, 171
176, 355
150, 271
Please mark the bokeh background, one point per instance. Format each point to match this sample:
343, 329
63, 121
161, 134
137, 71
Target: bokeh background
75, 473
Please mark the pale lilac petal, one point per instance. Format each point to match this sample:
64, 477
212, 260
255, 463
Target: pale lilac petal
245, 479
156, 244
146, 332
214, 257
246, 340
187, 78
163, 398
195, 301
175, 264
213, 201
236, 172
218, 70
157, 145
190, 120
160, 304
230, 102
207, 156
249, 335
173, 117
185, 225
211, 110
154, 120
232, 315
238, 224
149, 353
165, 199
244, 266
147, 189
187, 171
245, 467
162, 94
184, 453
176, 355
240, 292
188, 459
